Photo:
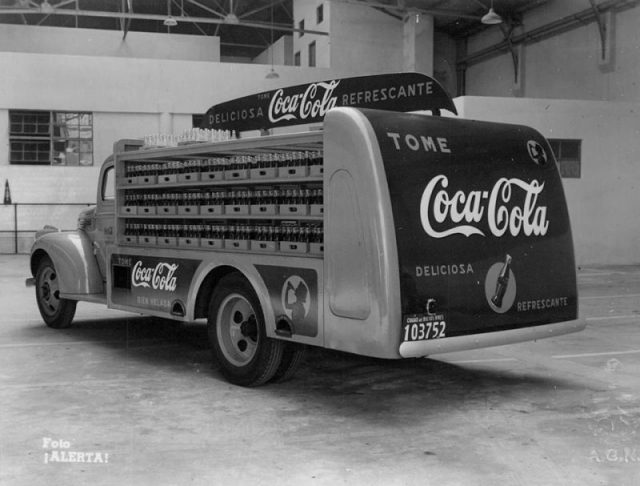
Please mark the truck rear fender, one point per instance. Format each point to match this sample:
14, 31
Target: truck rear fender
211, 277
206, 287
72, 255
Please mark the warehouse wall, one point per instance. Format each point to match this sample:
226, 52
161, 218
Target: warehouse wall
356, 30
93, 42
279, 54
362, 40
150, 83
306, 10
127, 96
604, 201
566, 65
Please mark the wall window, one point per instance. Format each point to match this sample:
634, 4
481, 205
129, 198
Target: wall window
50, 138
296, 59
568, 154
301, 27
312, 54
320, 14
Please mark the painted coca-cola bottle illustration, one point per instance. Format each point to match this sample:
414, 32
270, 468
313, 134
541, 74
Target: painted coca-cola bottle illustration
502, 282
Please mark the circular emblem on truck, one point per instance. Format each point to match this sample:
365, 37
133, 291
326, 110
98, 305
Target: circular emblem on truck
295, 298
500, 286
537, 152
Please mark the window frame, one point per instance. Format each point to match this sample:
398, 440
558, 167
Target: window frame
570, 166
312, 54
67, 132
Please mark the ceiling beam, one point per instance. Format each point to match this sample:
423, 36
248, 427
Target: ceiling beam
159, 18
413, 10
260, 9
207, 9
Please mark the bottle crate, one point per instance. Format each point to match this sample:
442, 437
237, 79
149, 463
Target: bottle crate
263, 209
234, 244
212, 210
294, 246
237, 174
263, 173
294, 209
212, 243
146, 210
167, 178
167, 210
167, 241
236, 209
188, 242
147, 240
293, 172
188, 210
268, 246
189, 177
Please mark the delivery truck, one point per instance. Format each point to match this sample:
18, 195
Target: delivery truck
378, 232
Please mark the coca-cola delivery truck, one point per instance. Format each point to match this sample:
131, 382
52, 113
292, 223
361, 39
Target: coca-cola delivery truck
379, 232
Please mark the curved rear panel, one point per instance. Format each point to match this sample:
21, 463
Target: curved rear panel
482, 229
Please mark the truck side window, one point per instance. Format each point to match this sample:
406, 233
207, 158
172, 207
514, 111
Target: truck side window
108, 187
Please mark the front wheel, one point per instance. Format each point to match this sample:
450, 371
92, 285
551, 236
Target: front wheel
56, 311
247, 357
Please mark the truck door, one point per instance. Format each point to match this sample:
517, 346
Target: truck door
104, 228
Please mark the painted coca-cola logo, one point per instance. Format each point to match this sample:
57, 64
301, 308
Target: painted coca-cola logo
160, 277
314, 102
444, 214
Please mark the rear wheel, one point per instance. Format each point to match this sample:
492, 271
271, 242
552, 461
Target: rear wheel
247, 357
56, 311
292, 357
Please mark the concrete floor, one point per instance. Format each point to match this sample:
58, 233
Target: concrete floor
143, 398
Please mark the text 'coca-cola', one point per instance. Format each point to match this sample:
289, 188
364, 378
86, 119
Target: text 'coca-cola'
160, 277
444, 214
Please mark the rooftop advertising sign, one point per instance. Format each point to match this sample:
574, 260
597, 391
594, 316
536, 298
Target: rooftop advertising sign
309, 103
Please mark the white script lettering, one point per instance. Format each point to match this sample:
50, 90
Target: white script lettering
462, 211
316, 101
160, 277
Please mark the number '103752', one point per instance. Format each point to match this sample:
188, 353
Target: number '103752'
420, 331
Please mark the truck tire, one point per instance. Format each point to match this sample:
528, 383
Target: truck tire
56, 312
292, 357
235, 324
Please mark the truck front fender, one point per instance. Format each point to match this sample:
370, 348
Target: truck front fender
72, 255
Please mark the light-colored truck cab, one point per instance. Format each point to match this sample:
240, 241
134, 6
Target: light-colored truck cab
384, 234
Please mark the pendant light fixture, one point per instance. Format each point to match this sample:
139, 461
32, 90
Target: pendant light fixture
491, 18
46, 7
170, 21
272, 74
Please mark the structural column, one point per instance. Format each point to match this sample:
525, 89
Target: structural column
417, 43
166, 122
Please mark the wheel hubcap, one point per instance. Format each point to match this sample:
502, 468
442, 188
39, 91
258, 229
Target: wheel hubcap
237, 330
49, 291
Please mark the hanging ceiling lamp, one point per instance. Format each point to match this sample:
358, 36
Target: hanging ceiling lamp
491, 18
272, 74
46, 7
170, 21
